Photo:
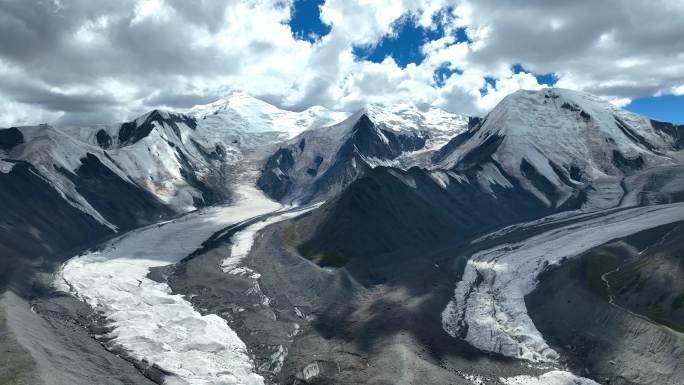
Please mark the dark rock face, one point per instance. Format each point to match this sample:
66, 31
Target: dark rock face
474, 121
348, 167
120, 202
389, 213
210, 195
480, 154
348, 161
374, 142
37, 222
131, 132
634, 135
274, 179
313, 170
627, 164
574, 108
575, 173
676, 132
570, 107
539, 181
10, 137
218, 153
104, 140
568, 177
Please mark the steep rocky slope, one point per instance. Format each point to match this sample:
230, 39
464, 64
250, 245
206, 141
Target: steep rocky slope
320, 163
535, 154
391, 213
71, 186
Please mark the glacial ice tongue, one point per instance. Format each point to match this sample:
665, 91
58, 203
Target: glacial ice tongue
488, 309
149, 322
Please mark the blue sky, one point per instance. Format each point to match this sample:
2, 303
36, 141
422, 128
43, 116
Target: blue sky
404, 47
306, 22
669, 108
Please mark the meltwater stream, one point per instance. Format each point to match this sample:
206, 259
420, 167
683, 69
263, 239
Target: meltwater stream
149, 322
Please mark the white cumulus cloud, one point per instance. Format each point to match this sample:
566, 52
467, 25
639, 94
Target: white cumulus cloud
93, 61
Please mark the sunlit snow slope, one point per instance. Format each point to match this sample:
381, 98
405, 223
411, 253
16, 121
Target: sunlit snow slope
106, 179
556, 142
243, 113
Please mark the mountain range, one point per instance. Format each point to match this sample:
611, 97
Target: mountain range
539, 244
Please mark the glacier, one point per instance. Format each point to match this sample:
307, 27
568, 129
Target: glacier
488, 309
150, 323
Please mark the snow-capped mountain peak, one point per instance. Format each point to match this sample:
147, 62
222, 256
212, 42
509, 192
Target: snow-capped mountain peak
435, 123
403, 116
555, 140
243, 112
322, 162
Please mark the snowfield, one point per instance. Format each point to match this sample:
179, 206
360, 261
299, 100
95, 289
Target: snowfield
555, 131
243, 112
406, 117
555, 377
488, 309
149, 322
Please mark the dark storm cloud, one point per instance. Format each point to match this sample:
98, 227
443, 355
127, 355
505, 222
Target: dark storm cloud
25, 91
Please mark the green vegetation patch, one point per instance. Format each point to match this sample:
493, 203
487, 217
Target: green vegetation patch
290, 237
635, 285
323, 258
326, 258
594, 264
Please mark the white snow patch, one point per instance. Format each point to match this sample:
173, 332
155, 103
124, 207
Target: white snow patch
489, 176
489, 301
474, 379
406, 117
6, 167
151, 323
555, 377
441, 178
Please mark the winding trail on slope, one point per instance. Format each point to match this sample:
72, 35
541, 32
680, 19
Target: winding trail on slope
149, 322
611, 297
